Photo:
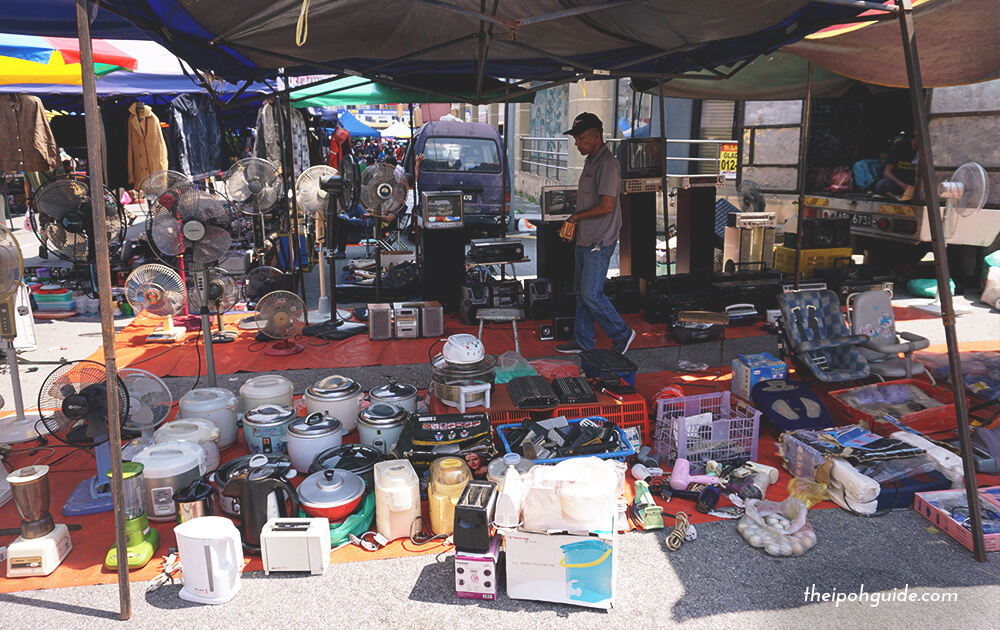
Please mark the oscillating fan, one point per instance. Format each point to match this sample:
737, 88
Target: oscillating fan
195, 223
383, 192
223, 292
157, 291
315, 201
964, 194
149, 405
63, 219
159, 182
254, 184
20, 427
282, 315
751, 198
256, 284
74, 407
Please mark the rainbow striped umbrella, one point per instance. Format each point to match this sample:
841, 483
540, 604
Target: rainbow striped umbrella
29, 59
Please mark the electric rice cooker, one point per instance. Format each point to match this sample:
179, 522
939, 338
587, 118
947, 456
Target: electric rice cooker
264, 428
167, 467
218, 406
337, 396
331, 493
380, 424
279, 462
266, 389
201, 432
357, 458
397, 393
310, 436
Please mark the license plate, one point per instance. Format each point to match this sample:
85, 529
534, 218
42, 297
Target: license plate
862, 220
467, 197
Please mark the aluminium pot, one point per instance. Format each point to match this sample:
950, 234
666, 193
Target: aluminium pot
337, 396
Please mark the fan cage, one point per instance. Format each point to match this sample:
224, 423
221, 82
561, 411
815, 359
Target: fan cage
66, 380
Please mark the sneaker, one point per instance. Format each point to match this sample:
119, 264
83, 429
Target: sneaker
621, 345
570, 347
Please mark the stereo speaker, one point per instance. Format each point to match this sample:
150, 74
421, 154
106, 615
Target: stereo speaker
432, 320
379, 322
538, 298
474, 297
564, 328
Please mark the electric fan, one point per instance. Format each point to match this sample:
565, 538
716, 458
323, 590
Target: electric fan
282, 315
20, 427
223, 292
351, 176
254, 184
74, 407
383, 192
964, 194
315, 201
751, 198
63, 219
196, 224
148, 407
157, 291
256, 284
159, 182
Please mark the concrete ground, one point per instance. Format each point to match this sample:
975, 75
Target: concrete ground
716, 581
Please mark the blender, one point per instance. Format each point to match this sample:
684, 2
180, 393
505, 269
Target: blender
141, 540
42, 544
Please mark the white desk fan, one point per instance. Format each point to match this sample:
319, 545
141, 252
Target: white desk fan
157, 291
254, 184
149, 405
282, 313
20, 427
256, 284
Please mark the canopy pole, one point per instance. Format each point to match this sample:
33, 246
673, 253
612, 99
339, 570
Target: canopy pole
103, 262
803, 165
288, 154
415, 211
664, 190
940, 249
504, 188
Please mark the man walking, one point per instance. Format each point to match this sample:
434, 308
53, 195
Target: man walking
596, 223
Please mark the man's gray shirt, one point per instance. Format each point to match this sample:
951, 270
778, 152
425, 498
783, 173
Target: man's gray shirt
600, 176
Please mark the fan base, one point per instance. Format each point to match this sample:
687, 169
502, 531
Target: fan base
250, 323
166, 336
223, 336
87, 500
284, 349
14, 431
188, 322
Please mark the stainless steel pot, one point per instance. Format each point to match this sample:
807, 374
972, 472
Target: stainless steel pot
400, 394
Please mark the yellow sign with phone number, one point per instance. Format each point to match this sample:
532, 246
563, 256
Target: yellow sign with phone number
727, 158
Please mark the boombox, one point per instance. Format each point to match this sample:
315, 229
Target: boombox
624, 294
506, 294
763, 294
496, 250
405, 320
665, 297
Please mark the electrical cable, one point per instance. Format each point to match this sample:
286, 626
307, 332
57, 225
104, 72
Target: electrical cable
676, 538
421, 537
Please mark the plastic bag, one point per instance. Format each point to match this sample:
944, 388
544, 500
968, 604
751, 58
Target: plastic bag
511, 365
840, 181
991, 294
808, 491
782, 529
925, 287
555, 368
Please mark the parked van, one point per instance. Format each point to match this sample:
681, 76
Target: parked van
467, 157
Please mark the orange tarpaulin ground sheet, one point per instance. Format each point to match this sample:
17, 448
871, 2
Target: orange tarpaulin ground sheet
186, 358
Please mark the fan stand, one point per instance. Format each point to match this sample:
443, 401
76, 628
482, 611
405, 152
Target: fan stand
168, 333
222, 336
283, 348
91, 497
188, 321
20, 427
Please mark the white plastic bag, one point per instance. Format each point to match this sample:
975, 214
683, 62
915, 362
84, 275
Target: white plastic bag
579, 494
782, 529
991, 294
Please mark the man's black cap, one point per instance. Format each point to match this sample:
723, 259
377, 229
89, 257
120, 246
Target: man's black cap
583, 122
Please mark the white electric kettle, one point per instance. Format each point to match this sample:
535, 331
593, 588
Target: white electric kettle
211, 555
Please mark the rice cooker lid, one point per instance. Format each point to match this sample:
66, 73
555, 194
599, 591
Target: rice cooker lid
334, 387
393, 392
266, 386
192, 429
331, 488
207, 399
167, 459
279, 463
269, 415
358, 458
315, 425
383, 415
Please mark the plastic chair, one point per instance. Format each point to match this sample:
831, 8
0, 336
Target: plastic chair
818, 337
870, 313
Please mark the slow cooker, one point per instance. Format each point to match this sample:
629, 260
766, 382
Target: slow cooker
357, 458
380, 424
310, 436
266, 389
219, 478
400, 394
264, 428
337, 396
218, 406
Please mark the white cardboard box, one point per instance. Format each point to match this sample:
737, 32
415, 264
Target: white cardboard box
750, 369
578, 569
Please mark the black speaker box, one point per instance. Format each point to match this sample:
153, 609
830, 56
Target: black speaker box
538, 298
820, 233
564, 328
442, 267
474, 297
624, 294
556, 257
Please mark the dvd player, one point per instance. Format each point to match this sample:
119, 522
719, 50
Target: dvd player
496, 250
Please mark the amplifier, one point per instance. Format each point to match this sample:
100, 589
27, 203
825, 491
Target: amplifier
763, 294
531, 392
379, 322
538, 298
624, 293
473, 298
750, 220
573, 390
822, 233
406, 318
496, 250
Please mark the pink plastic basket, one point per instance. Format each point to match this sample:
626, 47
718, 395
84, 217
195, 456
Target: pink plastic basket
730, 433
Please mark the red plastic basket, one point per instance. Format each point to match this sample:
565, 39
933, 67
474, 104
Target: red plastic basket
938, 423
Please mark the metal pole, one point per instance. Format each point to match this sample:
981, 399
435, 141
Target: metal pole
416, 194
803, 157
504, 189
664, 192
940, 248
289, 157
103, 261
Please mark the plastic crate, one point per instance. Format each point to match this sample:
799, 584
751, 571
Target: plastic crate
938, 423
731, 434
621, 455
811, 259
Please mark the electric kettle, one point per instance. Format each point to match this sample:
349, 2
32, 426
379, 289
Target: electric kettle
209, 547
261, 496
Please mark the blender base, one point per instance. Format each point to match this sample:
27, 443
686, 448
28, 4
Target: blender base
141, 545
38, 556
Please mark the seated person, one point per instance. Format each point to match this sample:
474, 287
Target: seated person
900, 167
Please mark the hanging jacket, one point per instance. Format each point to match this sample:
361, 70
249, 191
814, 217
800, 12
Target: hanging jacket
26, 141
147, 151
196, 134
340, 136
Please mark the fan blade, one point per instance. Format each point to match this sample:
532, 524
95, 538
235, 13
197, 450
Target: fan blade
167, 233
67, 390
140, 415
214, 246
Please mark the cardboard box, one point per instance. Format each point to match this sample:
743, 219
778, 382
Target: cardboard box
924, 505
578, 569
750, 369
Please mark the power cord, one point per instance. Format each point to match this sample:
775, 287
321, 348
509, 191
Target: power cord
421, 537
676, 538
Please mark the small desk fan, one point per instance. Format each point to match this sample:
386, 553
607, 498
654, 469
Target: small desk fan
157, 291
195, 223
74, 407
254, 184
256, 284
223, 292
282, 315
159, 182
149, 405
20, 427
63, 220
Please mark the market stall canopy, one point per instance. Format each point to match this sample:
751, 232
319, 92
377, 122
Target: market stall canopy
31, 59
532, 40
355, 127
361, 91
396, 130
57, 18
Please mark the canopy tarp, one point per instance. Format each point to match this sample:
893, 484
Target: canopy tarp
396, 130
355, 127
540, 40
361, 91
57, 18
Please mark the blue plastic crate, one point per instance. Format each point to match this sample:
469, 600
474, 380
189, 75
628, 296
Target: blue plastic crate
621, 455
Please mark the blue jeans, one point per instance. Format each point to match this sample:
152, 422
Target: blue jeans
591, 303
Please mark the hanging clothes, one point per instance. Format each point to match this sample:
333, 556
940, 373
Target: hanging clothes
272, 135
196, 135
114, 120
340, 136
26, 140
147, 151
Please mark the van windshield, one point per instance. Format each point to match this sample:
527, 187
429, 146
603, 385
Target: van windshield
475, 155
